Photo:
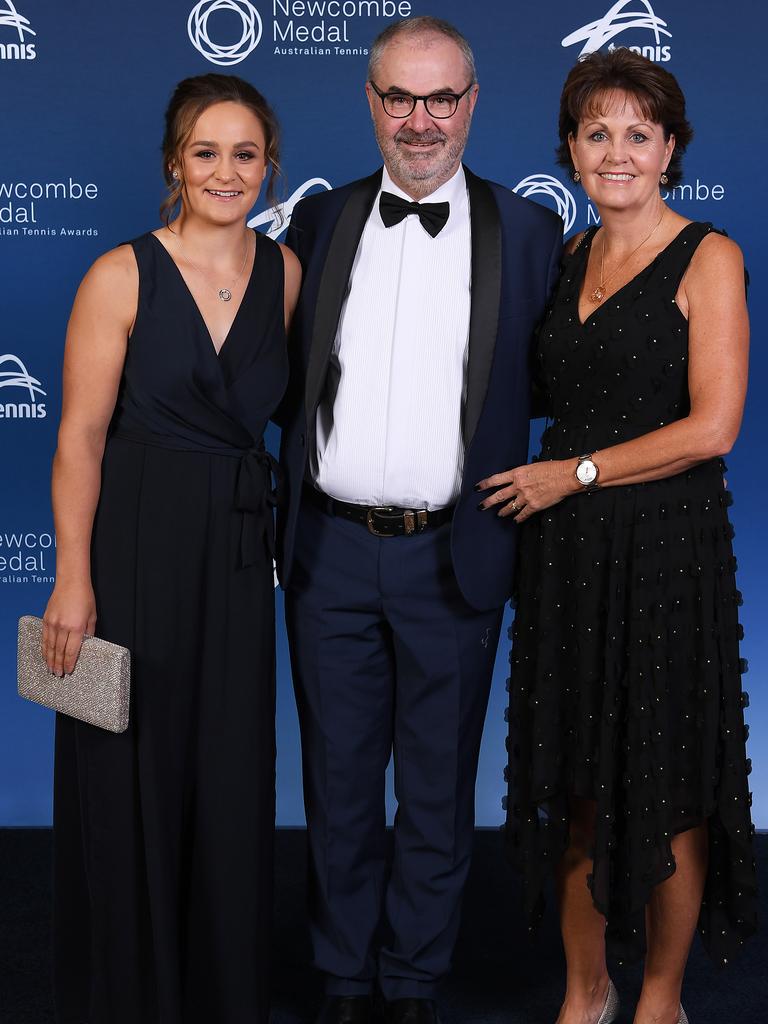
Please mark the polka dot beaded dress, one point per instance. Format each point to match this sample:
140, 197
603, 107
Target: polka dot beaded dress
626, 677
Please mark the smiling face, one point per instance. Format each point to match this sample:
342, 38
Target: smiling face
223, 164
619, 153
422, 152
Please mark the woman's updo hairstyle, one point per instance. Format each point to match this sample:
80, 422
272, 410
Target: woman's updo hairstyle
190, 98
651, 87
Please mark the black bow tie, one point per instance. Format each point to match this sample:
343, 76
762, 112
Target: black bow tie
433, 216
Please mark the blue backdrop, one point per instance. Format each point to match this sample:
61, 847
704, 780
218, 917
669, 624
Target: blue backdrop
84, 86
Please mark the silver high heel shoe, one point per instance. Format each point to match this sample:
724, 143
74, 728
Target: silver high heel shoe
683, 1018
611, 1008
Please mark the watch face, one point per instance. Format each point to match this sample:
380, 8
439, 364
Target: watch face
586, 472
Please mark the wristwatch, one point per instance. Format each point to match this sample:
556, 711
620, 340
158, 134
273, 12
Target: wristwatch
587, 473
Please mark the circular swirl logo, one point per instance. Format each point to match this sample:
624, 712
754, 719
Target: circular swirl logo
547, 185
224, 54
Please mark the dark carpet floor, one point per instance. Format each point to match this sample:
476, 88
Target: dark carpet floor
501, 975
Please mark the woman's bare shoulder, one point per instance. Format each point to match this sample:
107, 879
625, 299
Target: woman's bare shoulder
114, 269
717, 259
110, 288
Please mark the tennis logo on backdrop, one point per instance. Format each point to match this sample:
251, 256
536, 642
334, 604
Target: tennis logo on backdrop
209, 27
271, 216
19, 377
554, 189
10, 49
619, 20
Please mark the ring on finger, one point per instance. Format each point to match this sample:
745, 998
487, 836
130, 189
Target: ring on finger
515, 507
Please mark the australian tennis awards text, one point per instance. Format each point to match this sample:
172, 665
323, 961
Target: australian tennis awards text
27, 557
22, 202
328, 21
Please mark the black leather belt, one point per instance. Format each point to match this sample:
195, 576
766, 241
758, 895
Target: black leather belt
381, 520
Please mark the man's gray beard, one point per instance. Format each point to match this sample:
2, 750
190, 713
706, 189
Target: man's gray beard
419, 173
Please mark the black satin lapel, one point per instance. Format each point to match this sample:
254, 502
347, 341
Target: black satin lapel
486, 295
334, 282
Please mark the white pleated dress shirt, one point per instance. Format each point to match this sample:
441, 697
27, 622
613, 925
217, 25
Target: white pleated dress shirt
389, 424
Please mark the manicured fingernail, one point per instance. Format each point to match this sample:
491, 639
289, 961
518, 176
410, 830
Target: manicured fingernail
481, 507
478, 487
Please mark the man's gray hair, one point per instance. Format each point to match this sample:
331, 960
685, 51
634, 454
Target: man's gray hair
422, 26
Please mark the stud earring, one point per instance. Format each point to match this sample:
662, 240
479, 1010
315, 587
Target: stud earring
176, 175
576, 177
664, 180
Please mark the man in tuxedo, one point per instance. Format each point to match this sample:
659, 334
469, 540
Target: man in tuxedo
411, 347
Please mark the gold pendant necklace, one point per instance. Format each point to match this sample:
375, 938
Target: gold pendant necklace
225, 294
598, 294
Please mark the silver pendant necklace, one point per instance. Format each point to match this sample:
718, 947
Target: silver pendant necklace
225, 294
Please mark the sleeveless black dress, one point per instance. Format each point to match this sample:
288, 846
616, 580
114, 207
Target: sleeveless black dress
626, 678
163, 835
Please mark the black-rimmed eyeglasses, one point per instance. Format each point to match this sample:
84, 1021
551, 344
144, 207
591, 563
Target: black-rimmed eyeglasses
402, 104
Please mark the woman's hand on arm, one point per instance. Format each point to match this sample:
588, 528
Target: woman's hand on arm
101, 320
522, 491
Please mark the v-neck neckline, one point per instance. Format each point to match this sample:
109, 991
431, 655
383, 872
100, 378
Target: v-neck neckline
193, 300
656, 258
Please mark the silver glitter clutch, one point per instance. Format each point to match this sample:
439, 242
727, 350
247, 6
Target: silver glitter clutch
97, 692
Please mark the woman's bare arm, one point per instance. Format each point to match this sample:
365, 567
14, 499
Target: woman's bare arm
713, 296
292, 282
102, 318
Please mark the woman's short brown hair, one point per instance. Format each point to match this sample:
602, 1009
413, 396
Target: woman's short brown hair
190, 98
653, 89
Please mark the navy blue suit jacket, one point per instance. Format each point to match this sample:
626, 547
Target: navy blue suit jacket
516, 249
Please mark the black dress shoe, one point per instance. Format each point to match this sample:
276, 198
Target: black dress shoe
346, 1010
412, 1011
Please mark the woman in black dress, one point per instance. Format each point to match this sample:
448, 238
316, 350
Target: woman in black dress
628, 775
175, 359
